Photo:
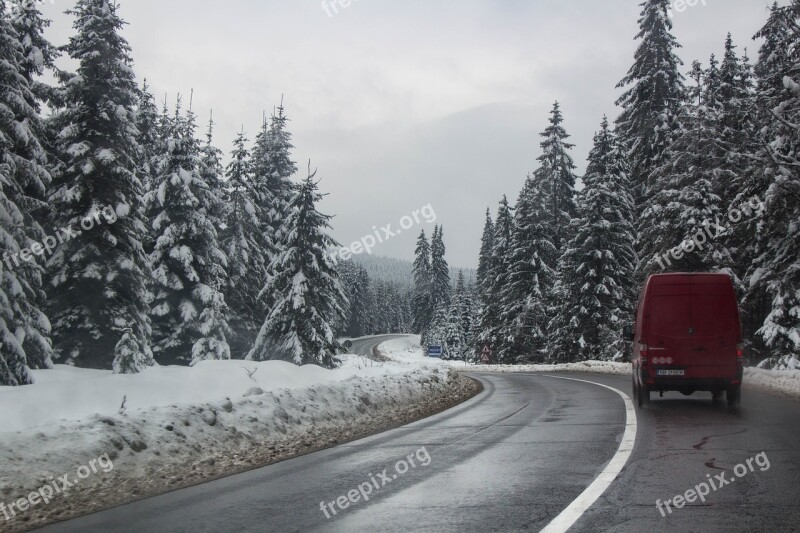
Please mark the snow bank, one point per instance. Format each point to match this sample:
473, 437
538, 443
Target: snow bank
596, 367
781, 381
407, 352
158, 448
68, 393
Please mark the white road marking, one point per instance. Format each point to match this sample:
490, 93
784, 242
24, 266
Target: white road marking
575, 510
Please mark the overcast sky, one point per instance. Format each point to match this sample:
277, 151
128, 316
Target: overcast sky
400, 104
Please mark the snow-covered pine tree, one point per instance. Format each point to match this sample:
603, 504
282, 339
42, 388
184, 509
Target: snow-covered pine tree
750, 161
440, 271
776, 266
211, 158
490, 322
711, 86
148, 138
273, 169
464, 298
682, 208
736, 120
485, 255
308, 293
530, 276
380, 310
455, 338
129, 358
653, 96
39, 55
246, 248
190, 316
370, 321
406, 314
359, 304
438, 330
595, 291
348, 277
773, 56
24, 329
423, 302
736, 126
98, 277
556, 178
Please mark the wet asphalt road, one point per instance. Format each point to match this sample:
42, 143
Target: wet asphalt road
365, 345
511, 459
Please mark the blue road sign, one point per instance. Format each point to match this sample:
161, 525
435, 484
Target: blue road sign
434, 351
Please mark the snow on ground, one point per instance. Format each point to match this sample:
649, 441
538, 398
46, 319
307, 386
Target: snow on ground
183, 425
407, 351
68, 393
782, 381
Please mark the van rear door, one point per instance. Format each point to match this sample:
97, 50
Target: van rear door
669, 322
715, 328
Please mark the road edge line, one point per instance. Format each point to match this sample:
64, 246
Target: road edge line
567, 518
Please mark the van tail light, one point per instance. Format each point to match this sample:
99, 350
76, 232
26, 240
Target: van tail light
644, 352
740, 353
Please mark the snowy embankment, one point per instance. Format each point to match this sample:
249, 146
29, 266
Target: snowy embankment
407, 351
182, 426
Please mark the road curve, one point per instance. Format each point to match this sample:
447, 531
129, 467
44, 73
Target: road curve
510, 459
366, 345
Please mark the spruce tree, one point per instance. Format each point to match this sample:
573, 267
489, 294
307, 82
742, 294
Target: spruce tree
556, 179
189, 267
129, 358
490, 320
273, 169
423, 300
440, 271
38, 54
308, 294
485, 256
595, 290
439, 328
736, 126
683, 208
775, 267
455, 336
148, 138
465, 301
359, 304
752, 181
653, 96
530, 275
245, 247
98, 276
24, 329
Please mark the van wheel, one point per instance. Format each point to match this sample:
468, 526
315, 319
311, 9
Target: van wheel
734, 395
640, 394
644, 396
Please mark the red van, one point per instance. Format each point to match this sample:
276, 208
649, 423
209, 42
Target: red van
687, 337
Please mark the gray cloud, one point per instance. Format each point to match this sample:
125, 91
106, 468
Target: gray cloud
401, 104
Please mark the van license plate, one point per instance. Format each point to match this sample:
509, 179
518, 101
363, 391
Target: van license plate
669, 373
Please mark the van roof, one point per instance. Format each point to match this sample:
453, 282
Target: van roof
689, 277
